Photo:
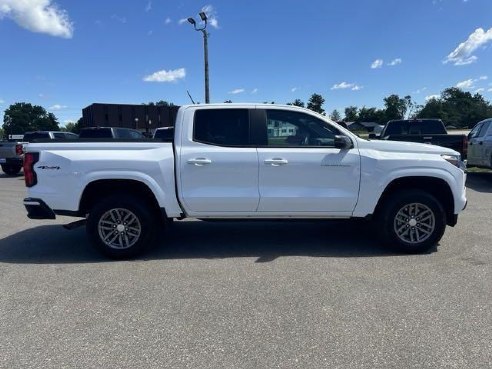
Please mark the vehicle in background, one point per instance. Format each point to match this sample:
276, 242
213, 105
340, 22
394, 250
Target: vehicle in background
246, 161
110, 132
164, 134
49, 135
429, 131
480, 145
11, 153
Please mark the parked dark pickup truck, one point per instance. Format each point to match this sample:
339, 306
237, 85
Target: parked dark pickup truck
431, 131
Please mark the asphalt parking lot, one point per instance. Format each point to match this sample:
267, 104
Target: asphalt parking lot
246, 295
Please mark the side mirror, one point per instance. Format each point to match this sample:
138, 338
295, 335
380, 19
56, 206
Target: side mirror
343, 142
373, 136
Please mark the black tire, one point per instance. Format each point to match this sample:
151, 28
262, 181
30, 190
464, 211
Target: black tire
122, 226
411, 221
11, 170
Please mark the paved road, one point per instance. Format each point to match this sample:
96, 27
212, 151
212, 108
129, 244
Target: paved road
246, 295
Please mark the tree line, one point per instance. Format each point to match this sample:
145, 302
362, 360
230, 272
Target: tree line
454, 106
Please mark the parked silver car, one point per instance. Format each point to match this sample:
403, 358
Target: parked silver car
480, 145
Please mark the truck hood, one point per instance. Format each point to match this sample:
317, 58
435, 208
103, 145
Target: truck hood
405, 147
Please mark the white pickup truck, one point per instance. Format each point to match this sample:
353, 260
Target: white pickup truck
244, 161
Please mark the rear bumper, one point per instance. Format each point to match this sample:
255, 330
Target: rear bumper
37, 209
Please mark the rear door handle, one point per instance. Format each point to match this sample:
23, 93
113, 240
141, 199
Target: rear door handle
199, 162
275, 162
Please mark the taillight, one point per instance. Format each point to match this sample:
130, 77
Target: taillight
19, 149
30, 177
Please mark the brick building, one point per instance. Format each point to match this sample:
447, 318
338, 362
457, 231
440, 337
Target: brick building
144, 118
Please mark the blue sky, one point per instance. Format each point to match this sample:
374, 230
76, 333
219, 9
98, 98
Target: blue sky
65, 55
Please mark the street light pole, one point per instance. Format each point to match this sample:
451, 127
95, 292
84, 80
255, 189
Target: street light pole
204, 18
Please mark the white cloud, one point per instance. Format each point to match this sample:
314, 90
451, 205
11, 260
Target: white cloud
57, 107
41, 16
183, 20
466, 84
148, 8
237, 91
2, 101
378, 63
166, 76
118, 18
346, 85
395, 62
489, 90
167, 21
462, 55
478, 90
420, 90
432, 97
470, 83
254, 91
293, 89
211, 15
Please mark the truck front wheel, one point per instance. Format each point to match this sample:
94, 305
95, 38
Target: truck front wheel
412, 221
121, 226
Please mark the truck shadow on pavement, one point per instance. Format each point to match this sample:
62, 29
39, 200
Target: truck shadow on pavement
479, 181
263, 240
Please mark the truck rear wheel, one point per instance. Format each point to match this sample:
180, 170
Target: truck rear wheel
412, 221
121, 226
11, 170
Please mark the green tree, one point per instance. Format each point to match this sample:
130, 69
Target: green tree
371, 115
335, 116
160, 103
457, 107
315, 103
351, 114
297, 102
396, 107
23, 117
69, 127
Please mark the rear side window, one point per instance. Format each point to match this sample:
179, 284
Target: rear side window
222, 127
96, 133
128, 133
36, 136
417, 127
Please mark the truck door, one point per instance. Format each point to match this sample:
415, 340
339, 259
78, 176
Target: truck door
218, 167
301, 171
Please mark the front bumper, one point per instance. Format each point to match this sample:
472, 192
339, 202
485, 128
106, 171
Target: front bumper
37, 209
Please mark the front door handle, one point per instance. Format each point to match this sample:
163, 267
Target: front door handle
199, 162
275, 162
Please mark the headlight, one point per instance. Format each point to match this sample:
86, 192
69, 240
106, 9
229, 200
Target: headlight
455, 160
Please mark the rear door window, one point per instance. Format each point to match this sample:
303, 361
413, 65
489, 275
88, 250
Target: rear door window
222, 127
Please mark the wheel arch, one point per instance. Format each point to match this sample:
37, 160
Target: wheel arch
437, 187
104, 187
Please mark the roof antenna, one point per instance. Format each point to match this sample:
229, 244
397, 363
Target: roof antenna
188, 92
